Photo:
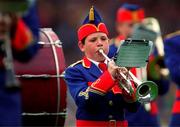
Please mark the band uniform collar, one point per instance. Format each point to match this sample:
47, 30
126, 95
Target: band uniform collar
86, 62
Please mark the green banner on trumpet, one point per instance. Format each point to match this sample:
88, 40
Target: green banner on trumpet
134, 53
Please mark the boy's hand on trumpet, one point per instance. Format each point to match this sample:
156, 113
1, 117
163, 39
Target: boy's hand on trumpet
115, 70
121, 70
116, 73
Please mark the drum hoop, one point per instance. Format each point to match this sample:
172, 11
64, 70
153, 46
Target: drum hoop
44, 114
57, 43
57, 71
40, 76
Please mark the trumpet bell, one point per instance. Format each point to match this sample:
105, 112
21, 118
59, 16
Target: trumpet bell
146, 92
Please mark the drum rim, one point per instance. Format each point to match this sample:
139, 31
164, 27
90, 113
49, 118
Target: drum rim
45, 30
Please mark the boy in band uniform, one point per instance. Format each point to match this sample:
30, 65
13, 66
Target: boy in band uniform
93, 81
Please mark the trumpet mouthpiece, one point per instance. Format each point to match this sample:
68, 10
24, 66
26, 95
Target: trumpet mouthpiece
101, 51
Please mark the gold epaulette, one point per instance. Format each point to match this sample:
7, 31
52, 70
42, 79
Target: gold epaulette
72, 65
172, 34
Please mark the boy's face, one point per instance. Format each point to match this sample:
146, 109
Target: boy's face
93, 43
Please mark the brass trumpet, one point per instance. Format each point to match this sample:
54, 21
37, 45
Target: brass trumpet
145, 91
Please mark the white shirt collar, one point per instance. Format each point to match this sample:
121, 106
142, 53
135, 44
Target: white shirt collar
95, 62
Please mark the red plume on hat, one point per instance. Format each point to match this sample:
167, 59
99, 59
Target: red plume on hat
130, 12
92, 23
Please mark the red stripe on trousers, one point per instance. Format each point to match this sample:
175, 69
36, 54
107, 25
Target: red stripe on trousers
111, 123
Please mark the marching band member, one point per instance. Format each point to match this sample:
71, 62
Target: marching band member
157, 70
172, 55
23, 38
128, 15
94, 85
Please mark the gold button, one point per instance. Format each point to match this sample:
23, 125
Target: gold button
111, 103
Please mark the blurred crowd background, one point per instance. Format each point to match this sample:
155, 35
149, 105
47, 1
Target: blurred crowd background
65, 16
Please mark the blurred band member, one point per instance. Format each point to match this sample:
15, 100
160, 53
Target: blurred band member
24, 35
172, 55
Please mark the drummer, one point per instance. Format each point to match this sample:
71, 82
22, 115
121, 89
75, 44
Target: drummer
93, 84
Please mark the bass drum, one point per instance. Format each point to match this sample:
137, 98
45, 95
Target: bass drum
43, 87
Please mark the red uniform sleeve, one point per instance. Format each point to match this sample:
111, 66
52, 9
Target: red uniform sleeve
104, 83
